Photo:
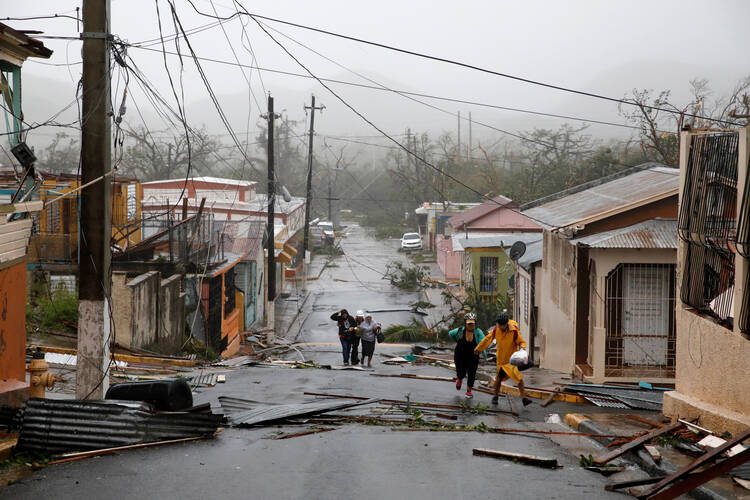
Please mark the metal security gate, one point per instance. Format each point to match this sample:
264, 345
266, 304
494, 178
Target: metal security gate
488, 274
641, 319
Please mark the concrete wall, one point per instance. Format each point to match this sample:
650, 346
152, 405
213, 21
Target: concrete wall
148, 311
713, 372
556, 326
448, 260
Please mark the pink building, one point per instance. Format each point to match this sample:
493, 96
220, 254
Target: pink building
499, 216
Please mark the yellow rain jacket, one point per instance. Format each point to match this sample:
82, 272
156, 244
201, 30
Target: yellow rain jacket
508, 342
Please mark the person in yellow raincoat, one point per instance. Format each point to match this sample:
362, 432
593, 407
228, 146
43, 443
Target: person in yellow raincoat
508, 338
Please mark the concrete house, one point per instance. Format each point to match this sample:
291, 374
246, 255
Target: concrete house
432, 218
527, 293
713, 312
606, 290
496, 218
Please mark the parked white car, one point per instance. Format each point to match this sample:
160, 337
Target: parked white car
327, 230
411, 241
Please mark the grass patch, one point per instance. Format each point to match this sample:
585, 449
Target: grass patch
53, 310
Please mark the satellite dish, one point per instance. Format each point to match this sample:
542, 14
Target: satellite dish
517, 250
285, 194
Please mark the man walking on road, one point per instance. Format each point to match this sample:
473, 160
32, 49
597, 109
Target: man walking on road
468, 338
508, 339
359, 317
347, 326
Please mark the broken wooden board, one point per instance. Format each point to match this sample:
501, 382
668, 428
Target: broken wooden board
550, 463
551, 397
701, 477
607, 457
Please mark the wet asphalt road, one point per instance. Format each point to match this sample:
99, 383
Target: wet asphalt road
354, 461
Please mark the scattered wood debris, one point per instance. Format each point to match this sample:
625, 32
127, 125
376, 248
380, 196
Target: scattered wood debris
550, 463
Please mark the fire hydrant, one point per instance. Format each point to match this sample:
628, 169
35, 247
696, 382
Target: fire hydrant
40, 378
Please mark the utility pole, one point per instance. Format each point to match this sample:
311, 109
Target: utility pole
94, 326
271, 272
468, 146
308, 200
458, 145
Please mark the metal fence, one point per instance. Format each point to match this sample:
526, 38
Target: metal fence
708, 224
640, 320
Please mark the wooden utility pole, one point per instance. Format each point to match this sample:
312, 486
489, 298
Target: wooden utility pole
458, 145
271, 272
308, 198
468, 146
94, 326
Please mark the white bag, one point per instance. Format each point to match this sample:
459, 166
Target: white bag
519, 358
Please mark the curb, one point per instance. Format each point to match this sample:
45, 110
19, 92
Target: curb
639, 457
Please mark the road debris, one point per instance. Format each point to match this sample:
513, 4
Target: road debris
609, 456
75, 425
550, 463
72, 457
681, 481
304, 433
272, 414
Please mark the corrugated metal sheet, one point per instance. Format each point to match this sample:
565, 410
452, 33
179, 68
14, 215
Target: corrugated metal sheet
533, 254
642, 400
505, 240
268, 414
73, 425
654, 233
605, 402
586, 201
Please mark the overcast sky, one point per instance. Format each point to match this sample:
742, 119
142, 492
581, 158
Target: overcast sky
597, 46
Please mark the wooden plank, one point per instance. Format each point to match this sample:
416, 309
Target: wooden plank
517, 457
28, 206
20, 234
603, 459
642, 420
13, 255
703, 459
146, 360
551, 397
70, 457
692, 481
12, 246
513, 404
16, 225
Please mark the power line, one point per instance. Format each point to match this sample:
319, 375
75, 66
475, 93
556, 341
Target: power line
481, 69
410, 93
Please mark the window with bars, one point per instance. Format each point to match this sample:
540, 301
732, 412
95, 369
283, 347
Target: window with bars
488, 274
708, 222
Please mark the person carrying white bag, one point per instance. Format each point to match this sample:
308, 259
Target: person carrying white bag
512, 356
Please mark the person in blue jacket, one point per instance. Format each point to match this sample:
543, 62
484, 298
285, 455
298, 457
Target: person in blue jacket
467, 338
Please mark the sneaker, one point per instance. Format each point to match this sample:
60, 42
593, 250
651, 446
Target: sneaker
346, 363
526, 401
458, 384
494, 400
469, 395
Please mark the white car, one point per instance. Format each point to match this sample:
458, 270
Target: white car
327, 230
411, 241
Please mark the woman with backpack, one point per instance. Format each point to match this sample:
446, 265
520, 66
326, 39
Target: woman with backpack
467, 338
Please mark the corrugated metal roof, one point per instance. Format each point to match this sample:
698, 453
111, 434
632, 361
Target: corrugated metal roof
268, 414
533, 254
591, 200
74, 425
499, 240
654, 233
496, 203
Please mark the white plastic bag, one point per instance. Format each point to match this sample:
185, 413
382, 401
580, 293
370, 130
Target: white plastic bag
519, 358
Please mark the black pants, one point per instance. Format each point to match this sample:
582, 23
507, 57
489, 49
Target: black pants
466, 364
355, 349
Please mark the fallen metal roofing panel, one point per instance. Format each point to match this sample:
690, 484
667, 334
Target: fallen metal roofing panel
654, 233
268, 414
74, 425
605, 402
645, 182
642, 400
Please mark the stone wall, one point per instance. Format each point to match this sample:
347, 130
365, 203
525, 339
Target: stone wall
172, 314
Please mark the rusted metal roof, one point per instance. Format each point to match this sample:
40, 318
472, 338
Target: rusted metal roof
604, 197
654, 233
